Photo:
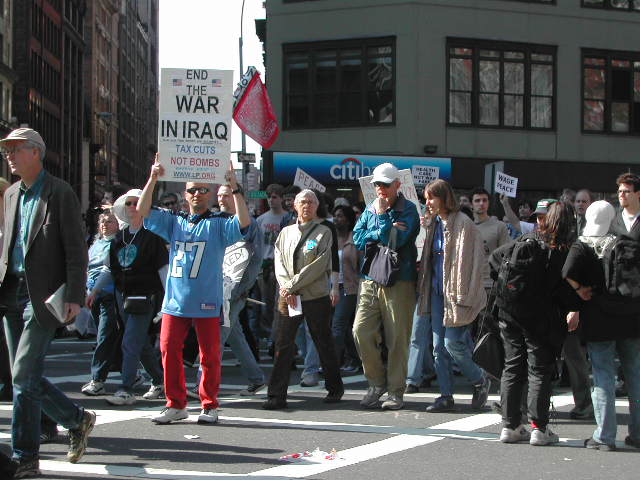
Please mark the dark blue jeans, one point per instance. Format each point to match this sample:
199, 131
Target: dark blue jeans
342, 326
28, 343
107, 342
137, 348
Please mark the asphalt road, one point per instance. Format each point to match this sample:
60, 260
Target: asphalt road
249, 442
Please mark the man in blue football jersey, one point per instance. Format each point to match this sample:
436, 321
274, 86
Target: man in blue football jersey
193, 292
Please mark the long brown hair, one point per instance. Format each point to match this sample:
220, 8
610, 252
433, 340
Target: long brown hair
559, 227
441, 189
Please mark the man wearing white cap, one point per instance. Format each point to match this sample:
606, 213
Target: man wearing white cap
43, 248
390, 220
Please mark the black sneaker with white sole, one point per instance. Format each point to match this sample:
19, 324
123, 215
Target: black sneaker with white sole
251, 389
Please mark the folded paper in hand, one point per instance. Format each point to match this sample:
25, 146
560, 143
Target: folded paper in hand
297, 309
55, 304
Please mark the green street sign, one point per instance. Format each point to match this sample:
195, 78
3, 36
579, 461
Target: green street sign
258, 194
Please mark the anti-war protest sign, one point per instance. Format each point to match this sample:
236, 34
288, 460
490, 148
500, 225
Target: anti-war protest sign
194, 128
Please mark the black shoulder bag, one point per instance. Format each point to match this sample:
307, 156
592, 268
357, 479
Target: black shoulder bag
488, 353
381, 262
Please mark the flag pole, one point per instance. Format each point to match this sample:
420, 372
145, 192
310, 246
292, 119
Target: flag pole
245, 165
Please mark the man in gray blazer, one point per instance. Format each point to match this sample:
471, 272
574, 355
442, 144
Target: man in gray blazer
43, 248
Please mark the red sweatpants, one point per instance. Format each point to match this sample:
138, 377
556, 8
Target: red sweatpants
172, 336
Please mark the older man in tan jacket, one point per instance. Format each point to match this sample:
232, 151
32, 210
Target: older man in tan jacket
302, 261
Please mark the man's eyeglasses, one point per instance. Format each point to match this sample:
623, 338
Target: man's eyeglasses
624, 192
382, 184
170, 203
200, 190
6, 151
129, 204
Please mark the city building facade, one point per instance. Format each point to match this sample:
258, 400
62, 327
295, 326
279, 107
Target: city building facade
550, 89
137, 90
7, 75
48, 49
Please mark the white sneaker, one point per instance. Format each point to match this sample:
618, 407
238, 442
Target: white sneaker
169, 415
519, 434
540, 438
94, 387
121, 397
208, 416
154, 392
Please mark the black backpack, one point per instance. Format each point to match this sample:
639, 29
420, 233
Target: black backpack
621, 262
522, 287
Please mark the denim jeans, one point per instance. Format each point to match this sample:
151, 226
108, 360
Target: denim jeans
137, 348
107, 340
603, 393
342, 326
420, 350
311, 357
451, 344
238, 343
28, 343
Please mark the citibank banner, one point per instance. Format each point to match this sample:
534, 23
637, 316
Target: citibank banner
339, 168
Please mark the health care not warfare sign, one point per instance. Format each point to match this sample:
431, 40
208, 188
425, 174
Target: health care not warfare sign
194, 128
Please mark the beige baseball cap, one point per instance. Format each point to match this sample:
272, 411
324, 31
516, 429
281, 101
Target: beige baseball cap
28, 134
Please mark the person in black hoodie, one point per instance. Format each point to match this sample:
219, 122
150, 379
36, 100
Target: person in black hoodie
533, 340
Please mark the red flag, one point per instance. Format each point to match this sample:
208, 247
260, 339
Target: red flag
254, 113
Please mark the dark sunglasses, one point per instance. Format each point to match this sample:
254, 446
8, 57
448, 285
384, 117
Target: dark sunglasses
128, 204
168, 204
382, 184
200, 190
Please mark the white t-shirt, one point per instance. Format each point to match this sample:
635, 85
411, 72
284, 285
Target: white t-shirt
629, 220
269, 223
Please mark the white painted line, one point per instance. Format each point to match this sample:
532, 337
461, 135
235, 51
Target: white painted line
402, 439
393, 445
140, 472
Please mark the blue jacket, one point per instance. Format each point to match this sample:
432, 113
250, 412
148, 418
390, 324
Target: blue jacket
372, 227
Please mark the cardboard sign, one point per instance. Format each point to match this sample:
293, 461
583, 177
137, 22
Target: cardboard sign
236, 260
304, 180
506, 184
194, 125
424, 174
407, 188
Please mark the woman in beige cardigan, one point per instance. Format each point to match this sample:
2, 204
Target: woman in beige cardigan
450, 289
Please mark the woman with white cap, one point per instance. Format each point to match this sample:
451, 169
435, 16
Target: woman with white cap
609, 326
138, 264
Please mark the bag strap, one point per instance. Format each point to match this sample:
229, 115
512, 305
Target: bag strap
488, 309
303, 239
393, 238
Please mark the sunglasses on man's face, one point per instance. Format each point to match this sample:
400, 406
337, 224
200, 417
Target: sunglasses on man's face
168, 204
200, 190
129, 204
382, 184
